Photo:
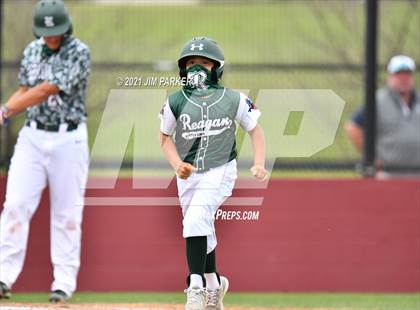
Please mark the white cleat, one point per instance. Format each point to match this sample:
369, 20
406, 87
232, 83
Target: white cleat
215, 297
58, 296
196, 298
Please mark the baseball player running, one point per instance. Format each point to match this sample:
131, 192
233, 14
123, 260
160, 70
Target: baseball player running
203, 153
51, 149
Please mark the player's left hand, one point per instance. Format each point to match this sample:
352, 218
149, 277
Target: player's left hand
259, 172
3, 115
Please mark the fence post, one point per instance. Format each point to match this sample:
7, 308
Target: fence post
3, 132
370, 88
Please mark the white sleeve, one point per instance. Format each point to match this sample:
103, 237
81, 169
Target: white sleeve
167, 120
247, 114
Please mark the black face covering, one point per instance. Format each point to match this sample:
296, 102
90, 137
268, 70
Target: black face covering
47, 52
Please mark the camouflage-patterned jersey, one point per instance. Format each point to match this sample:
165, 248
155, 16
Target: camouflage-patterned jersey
205, 128
68, 69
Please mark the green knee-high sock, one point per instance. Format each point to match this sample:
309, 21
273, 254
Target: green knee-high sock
196, 254
211, 262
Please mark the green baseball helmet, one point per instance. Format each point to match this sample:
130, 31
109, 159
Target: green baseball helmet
51, 18
204, 47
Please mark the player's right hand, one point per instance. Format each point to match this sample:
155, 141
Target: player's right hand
3, 115
184, 170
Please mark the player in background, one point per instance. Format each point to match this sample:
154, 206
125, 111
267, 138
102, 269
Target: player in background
202, 118
51, 149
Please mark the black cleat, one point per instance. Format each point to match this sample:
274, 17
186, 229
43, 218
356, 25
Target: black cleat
5, 292
58, 296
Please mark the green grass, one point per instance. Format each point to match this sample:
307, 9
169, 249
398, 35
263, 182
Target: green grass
297, 31
278, 300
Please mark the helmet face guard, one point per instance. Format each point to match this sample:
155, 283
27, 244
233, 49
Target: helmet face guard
51, 18
203, 47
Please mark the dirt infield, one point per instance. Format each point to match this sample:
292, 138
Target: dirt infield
114, 307
124, 307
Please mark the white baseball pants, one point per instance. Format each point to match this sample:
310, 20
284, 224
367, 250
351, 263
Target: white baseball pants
59, 160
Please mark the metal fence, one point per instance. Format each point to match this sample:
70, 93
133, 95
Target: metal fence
268, 44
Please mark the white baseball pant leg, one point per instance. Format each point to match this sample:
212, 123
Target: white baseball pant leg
67, 174
26, 181
200, 197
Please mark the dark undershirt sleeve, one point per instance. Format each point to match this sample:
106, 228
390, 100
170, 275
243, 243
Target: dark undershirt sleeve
359, 116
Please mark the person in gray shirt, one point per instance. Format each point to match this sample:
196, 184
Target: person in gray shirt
397, 122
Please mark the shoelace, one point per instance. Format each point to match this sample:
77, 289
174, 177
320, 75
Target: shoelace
194, 295
213, 297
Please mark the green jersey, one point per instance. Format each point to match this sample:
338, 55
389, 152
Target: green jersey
205, 127
68, 69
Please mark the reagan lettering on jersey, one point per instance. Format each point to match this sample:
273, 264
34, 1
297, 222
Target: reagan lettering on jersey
205, 127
